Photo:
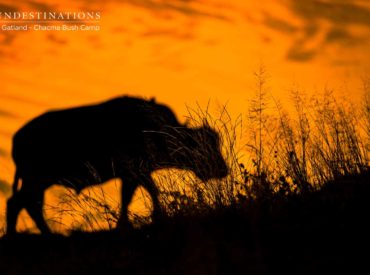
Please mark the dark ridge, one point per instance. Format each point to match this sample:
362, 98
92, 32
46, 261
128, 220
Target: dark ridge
324, 231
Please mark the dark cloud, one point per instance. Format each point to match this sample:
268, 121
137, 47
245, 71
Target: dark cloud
3, 153
26, 100
335, 11
296, 53
279, 24
181, 6
344, 37
55, 39
6, 38
7, 8
340, 15
168, 32
39, 6
4, 187
4, 113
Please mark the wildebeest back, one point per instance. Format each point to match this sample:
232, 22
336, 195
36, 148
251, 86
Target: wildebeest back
68, 141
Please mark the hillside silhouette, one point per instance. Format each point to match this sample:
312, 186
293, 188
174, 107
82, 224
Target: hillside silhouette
322, 232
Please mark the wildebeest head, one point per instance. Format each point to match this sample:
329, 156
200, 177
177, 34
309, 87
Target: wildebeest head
199, 150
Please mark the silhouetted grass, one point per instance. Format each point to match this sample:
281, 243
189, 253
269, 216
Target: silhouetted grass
280, 154
295, 201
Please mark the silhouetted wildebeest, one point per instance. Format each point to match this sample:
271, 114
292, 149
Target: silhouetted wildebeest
126, 138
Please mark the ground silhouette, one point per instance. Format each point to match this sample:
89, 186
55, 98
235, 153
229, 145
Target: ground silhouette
321, 232
126, 138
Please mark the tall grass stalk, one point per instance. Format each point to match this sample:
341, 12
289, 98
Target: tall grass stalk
286, 153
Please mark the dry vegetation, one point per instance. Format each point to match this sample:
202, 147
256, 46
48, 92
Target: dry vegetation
272, 154
295, 201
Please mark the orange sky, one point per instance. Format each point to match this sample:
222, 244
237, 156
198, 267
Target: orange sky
181, 52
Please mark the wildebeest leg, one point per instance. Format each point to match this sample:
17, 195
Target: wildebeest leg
34, 206
127, 191
150, 186
14, 206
